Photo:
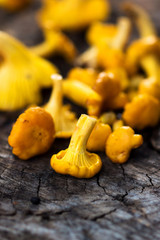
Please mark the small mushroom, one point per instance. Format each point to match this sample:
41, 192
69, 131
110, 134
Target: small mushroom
142, 111
145, 51
22, 74
121, 142
55, 42
98, 137
64, 119
71, 14
109, 88
83, 95
150, 86
138, 50
75, 160
85, 75
121, 75
141, 18
107, 54
101, 32
118, 102
32, 134
108, 57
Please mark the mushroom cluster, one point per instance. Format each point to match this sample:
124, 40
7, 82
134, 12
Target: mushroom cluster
118, 99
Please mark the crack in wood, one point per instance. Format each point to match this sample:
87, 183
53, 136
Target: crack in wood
96, 218
150, 179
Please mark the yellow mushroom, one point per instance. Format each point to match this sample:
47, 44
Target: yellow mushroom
85, 75
121, 75
22, 74
143, 111
108, 54
141, 18
121, 142
64, 119
32, 134
137, 52
150, 86
145, 51
101, 32
134, 85
75, 160
13, 5
112, 56
55, 42
102, 56
108, 57
118, 102
98, 137
71, 14
109, 88
83, 95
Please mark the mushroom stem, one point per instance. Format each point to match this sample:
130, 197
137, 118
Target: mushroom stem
83, 95
150, 64
79, 140
64, 119
55, 42
54, 105
88, 58
141, 18
75, 160
146, 28
121, 38
136, 140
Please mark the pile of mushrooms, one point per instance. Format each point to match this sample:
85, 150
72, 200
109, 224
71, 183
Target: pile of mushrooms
104, 80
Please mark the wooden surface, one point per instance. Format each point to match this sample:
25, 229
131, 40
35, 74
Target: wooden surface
121, 202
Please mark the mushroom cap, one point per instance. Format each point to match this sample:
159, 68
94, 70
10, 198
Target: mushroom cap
120, 143
22, 74
75, 160
89, 164
142, 111
32, 134
71, 14
98, 137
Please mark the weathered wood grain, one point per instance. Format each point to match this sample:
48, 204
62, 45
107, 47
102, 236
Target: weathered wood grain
121, 202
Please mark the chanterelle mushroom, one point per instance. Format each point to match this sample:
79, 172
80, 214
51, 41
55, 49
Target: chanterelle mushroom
32, 134
64, 119
22, 74
72, 14
106, 51
98, 137
83, 95
146, 50
55, 42
75, 160
143, 111
120, 143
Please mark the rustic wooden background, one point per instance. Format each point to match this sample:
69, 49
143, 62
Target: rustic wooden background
121, 202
